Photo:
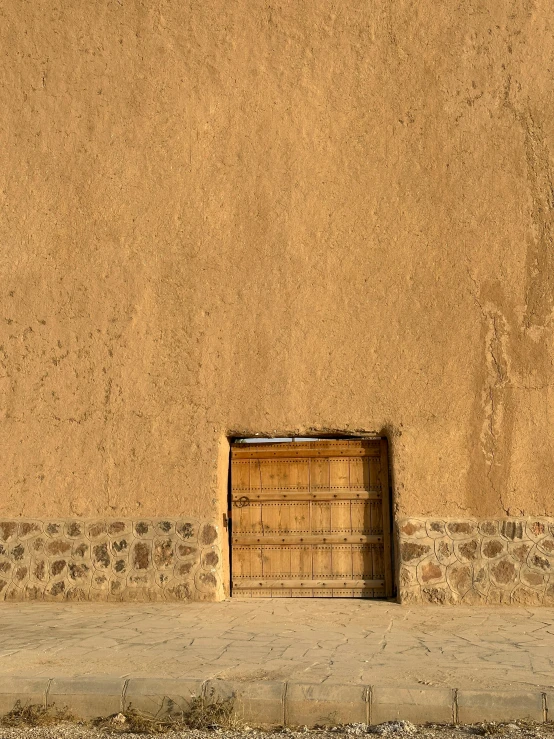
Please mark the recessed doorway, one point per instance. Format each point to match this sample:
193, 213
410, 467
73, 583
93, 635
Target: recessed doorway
310, 519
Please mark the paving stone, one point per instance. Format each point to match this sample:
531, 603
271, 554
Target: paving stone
476, 706
342, 641
418, 705
326, 704
87, 697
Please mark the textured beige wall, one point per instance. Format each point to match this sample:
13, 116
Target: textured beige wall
222, 217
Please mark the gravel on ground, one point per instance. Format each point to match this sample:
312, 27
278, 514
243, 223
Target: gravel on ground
391, 730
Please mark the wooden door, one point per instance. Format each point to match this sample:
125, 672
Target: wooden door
310, 519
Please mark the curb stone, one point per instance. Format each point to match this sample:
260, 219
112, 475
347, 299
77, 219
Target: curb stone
87, 697
161, 696
261, 702
274, 703
25, 689
474, 706
418, 705
326, 704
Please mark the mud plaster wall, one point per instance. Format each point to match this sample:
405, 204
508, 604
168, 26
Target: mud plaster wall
223, 218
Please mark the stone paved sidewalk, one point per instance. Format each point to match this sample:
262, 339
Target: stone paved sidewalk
312, 641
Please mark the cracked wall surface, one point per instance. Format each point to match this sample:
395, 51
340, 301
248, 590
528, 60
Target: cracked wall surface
109, 560
220, 219
477, 562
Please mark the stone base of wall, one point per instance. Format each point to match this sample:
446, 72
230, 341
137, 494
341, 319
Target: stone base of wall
114, 560
442, 561
468, 561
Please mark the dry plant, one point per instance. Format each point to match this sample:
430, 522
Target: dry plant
202, 713
139, 722
33, 714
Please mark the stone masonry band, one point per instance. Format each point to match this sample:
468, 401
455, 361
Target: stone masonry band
114, 560
508, 561
442, 561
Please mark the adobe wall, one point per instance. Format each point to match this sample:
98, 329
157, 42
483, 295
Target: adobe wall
226, 218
